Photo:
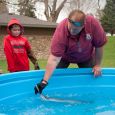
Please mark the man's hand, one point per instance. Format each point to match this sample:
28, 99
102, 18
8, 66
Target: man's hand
40, 86
96, 70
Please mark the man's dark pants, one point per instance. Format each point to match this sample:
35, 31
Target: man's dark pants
86, 64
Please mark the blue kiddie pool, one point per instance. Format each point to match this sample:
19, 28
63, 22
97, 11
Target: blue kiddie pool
69, 92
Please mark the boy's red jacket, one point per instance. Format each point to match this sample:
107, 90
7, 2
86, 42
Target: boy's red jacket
15, 49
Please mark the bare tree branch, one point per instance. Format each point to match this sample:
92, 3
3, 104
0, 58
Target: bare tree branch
99, 4
52, 11
27, 7
3, 8
6, 2
46, 12
61, 6
58, 10
54, 5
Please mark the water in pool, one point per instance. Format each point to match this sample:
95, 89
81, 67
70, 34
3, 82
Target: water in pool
101, 102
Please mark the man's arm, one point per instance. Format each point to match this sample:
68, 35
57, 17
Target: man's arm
98, 60
98, 41
51, 65
98, 55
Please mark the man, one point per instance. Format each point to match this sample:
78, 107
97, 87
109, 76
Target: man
78, 39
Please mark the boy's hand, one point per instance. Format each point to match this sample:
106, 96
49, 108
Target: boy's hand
36, 66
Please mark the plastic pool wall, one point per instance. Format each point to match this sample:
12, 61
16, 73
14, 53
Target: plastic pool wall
17, 92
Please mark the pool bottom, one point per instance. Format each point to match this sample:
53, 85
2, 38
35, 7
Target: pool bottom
103, 102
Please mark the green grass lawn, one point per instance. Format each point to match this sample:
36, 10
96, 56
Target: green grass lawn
109, 53
108, 58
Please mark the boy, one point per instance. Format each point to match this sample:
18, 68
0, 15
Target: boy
17, 48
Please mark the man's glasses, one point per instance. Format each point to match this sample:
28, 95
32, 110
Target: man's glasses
78, 24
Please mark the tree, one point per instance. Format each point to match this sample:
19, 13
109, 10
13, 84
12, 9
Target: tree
85, 5
26, 7
3, 7
52, 8
108, 18
51, 12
